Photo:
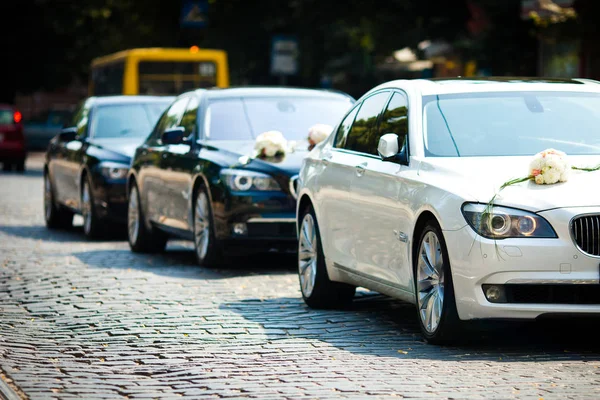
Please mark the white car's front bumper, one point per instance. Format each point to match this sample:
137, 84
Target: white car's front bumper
477, 261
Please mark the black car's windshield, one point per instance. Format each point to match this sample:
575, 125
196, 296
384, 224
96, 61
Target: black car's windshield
126, 120
511, 123
246, 118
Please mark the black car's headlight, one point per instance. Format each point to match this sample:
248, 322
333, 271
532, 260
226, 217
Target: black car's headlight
243, 181
114, 170
504, 222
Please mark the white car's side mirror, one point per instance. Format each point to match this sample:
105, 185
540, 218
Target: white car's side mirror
388, 146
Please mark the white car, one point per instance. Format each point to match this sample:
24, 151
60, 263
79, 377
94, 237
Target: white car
393, 201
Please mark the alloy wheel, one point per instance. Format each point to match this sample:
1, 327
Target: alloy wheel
133, 216
202, 225
430, 281
86, 207
47, 198
307, 255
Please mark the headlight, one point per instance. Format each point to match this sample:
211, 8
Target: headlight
116, 171
503, 222
241, 181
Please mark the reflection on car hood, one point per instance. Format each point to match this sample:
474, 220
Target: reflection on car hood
291, 163
124, 146
478, 178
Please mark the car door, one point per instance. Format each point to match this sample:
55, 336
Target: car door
157, 178
381, 237
69, 157
180, 163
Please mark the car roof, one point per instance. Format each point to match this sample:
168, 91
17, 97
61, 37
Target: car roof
128, 99
270, 91
494, 84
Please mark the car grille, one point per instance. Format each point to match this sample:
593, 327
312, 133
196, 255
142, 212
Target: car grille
294, 186
586, 232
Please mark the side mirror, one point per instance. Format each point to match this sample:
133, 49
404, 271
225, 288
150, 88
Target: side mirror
68, 134
388, 146
173, 136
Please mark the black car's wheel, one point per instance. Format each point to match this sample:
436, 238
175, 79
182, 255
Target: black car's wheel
209, 251
436, 304
318, 291
56, 217
141, 239
6, 166
92, 226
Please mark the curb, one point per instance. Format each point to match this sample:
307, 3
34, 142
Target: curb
7, 393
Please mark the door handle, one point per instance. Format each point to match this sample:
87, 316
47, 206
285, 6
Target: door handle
360, 169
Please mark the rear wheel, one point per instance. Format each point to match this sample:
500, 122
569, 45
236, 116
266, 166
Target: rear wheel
56, 217
141, 239
21, 165
91, 222
6, 166
436, 304
318, 291
209, 251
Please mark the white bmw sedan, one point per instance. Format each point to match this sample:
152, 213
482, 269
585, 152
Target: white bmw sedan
394, 201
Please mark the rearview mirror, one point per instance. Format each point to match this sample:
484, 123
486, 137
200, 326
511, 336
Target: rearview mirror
388, 146
173, 136
68, 134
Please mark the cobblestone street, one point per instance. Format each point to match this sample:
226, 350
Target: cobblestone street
81, 319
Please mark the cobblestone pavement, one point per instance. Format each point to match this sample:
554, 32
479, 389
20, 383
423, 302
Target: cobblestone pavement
82, 319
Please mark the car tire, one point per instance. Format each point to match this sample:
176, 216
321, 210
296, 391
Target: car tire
318, 291
56, 216
209, 250
92, 226
434, 289
140, 238
6, 166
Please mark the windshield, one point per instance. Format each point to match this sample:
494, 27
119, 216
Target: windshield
245, 119
126, 120
511, 123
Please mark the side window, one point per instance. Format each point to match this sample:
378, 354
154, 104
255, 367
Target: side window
172, 116
188, 121
363, 136
344, 128
80, 119
395, 119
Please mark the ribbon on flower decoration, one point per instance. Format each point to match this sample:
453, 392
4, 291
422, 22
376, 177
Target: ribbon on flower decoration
268, 145
317, 133
547, 168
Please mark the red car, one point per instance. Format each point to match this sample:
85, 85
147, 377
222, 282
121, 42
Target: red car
12, 141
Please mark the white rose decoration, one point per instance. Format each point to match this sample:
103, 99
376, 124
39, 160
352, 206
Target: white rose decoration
549, 167
270, 144
319, 132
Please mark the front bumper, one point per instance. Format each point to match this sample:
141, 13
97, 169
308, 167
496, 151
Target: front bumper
110, 199
477, 261
259, 219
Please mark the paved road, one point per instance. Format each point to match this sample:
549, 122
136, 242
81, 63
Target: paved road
82, 319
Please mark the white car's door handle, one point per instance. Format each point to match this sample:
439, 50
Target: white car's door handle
360, 169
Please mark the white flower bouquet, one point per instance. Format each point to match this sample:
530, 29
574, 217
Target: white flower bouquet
317, 133
549, 167
270, 144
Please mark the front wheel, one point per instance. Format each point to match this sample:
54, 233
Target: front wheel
141, 239
436, 304
209, 251
318, 291
91, 222
56, 217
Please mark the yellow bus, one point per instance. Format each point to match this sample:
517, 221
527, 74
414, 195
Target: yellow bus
158, 71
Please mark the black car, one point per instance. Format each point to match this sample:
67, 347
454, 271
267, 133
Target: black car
187, 180
86, 165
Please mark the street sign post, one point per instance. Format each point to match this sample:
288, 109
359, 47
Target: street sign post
284, 56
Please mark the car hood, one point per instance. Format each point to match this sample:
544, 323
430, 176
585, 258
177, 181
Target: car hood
290, 163
123, 146
479, 178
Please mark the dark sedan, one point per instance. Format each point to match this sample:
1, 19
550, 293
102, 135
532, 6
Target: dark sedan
86, 164
187, 180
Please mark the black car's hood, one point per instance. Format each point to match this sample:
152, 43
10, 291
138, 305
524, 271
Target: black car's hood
123, 146
290, 163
